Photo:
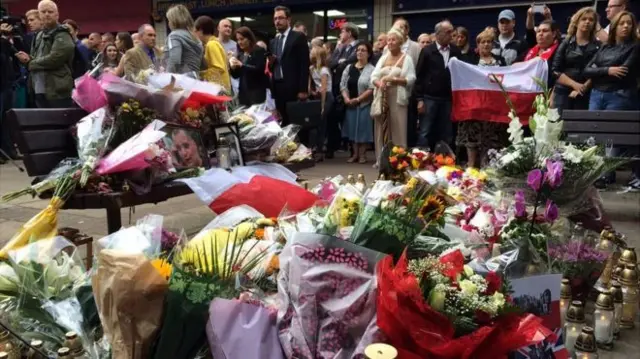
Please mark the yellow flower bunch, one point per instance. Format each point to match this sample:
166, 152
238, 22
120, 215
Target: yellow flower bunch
163, 267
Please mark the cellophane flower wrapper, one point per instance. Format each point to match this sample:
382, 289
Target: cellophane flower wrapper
285, 144
183, 330
327, 294
135, 153
342, 212
579, 260
88, 94
165, 101
48, 273
420, 332
93, 133
259, 137
231, 322
513, 258
130, 294
43, 184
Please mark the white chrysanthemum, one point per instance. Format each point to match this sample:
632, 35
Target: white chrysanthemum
498, 299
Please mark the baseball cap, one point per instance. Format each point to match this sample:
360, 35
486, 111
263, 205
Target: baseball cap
506, 14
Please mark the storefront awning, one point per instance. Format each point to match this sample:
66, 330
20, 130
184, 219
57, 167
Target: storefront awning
94, 16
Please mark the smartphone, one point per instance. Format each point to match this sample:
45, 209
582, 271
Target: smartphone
538, 8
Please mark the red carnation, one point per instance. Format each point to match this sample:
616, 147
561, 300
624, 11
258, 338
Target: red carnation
454, 262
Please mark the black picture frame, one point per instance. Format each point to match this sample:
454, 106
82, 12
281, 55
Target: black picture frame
232, 133
187, 137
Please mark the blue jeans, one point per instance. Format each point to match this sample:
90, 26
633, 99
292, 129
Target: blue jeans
435, 124
620, 100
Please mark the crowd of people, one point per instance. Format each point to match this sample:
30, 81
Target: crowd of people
395, 89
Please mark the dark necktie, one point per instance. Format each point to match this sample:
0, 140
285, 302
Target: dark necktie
278, 68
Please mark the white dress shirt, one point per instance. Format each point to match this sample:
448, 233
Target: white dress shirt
444, 51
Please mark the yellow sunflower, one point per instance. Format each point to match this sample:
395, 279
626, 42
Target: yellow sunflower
163, 267
432, 209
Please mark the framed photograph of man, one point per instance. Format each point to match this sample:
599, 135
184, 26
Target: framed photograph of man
186, 147
230, 134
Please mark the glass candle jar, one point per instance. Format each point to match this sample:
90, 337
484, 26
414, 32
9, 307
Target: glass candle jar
223, 153
565, 299
586, 355
574, 322
630, 296
585, 346
616, 293
604, 320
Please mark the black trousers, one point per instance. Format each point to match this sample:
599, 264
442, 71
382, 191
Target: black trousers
43, 102
282, 95
334, 120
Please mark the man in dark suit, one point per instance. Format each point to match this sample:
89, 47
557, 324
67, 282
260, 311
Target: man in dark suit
343, 56
433, 88
289, 63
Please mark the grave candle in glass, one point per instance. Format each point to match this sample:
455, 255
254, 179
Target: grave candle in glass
604, 320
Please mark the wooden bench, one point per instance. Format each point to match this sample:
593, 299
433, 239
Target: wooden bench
621, 128
44, 138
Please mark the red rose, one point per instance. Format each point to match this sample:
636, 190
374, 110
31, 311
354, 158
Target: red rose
494, 282
454, 262
482, 318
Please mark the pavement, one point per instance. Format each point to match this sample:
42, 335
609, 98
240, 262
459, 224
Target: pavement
189, 214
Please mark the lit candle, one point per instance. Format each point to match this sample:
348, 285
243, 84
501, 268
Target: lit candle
565, 299
630, 296
585, 346
616, 293
604, 320
574, 324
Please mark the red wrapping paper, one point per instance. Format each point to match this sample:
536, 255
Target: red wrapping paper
419, 332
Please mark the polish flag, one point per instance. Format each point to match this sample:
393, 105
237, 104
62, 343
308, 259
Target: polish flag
267, 187
477, 96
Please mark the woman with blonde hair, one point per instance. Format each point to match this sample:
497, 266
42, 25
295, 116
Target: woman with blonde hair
184, 50
572, 88
480, 135
393, 78
320, 88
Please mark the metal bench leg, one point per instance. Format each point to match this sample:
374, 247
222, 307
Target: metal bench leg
114, 220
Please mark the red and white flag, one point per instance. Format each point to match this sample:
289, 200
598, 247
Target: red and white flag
477, 96
267, 187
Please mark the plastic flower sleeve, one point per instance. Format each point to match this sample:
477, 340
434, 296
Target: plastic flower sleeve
342, 212
143, 238
93, 133
88, 93
48, 271
231, 322
327, 294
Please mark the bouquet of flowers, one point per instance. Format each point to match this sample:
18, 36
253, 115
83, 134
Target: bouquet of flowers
579, 168
41, 301
439, 308
395, 221
93, 133
327, 290
581, 262
65, 167
214, 264
129, 286
44, 224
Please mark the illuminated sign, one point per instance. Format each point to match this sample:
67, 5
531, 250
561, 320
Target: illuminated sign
337, 23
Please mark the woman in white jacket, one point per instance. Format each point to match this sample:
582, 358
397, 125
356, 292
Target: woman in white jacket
393, 79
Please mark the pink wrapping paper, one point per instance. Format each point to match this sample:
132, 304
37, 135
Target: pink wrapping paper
242, 330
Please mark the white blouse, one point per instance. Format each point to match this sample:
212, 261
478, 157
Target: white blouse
408, 72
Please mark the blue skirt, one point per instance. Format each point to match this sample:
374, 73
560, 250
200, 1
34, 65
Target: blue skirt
358, 124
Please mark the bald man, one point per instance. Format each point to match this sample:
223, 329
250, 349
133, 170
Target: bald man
50, 62
143, 56
225, 31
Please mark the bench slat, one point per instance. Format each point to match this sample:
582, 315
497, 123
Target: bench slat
55, 117
38, 164
602, 126
586, 115
45, 140
601, 138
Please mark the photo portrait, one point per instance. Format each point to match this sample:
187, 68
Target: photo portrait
186, 147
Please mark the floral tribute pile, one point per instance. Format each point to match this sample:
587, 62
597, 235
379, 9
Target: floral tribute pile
420, 259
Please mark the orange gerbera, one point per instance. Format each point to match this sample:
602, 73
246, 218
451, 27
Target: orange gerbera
432, 209
443, 160
259, 234
163, 267
274, 265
